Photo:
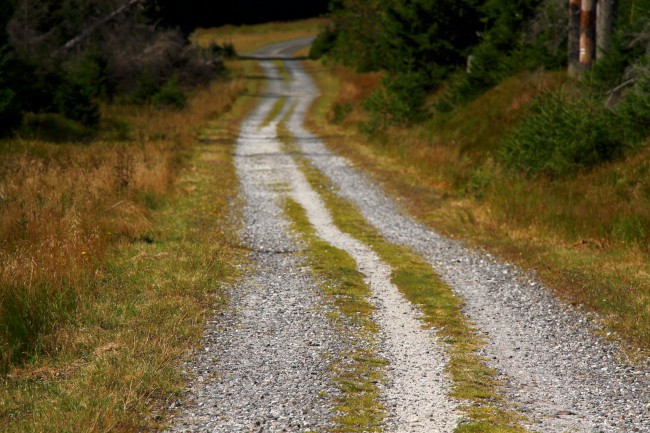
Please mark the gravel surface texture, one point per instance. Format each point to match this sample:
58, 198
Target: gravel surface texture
416, 395
554, 367
264, 367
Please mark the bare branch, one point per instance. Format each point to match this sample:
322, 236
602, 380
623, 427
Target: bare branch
72, 43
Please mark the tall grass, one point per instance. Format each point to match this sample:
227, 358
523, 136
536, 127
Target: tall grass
63, 205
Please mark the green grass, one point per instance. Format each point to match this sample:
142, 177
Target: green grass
474, 384
127, 343
275, 111
359, 371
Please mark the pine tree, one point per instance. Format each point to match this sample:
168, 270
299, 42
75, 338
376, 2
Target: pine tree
428, 36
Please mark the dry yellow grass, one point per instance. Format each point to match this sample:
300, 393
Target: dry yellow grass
246, 39
64, 204
129, 242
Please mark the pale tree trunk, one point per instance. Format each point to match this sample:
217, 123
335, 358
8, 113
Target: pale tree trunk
605, 18
587, 33
573, 48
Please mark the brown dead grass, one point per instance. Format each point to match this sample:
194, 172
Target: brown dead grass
63, 205
110, 362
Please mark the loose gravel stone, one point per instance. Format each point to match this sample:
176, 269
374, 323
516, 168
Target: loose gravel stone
562, 376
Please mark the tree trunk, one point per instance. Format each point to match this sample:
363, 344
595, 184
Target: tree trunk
573, 49
587, 33
605, 18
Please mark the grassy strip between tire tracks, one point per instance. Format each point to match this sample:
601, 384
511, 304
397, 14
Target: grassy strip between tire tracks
116, 364
357, 372
474, 384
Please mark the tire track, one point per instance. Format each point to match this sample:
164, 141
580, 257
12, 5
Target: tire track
417, 392
264, 363
259, 370
561, 375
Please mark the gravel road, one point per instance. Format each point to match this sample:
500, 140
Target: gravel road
559, 373
264, 366
264, 363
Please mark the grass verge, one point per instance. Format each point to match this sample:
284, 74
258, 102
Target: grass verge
275, 111
112, 363
474, 384
585, 236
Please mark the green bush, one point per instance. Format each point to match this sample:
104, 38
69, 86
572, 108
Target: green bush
170, 95
340, 110
623, 52
399, 100
561, 137
92, 73
145, 88
74, 101
223, 51
488, 66
323, 44
54, 127
634, 111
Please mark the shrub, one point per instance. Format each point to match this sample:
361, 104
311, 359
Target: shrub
634, 111
223, 51
92, 73
145, 88
400, 100
609, 69
323, 44
170, 95
561, 137
53, 127
73, 100
340, 110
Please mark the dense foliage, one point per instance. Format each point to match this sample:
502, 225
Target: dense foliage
463, 48
44, 69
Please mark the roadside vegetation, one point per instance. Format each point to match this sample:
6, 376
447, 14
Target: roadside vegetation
114, 241
245, 39
60, 61
511, 153
358, 372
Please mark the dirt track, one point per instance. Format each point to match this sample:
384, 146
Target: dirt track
265, 365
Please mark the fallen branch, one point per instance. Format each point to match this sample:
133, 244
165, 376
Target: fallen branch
72, 43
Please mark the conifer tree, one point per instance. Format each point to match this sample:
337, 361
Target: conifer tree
428, 36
